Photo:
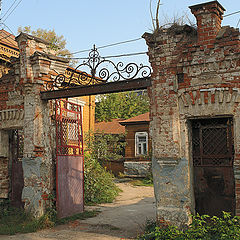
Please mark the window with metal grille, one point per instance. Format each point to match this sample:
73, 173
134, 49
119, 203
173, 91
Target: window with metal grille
17, 142
212, 142
141, 143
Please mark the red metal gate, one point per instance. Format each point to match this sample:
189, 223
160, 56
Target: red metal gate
213, 165
69, 154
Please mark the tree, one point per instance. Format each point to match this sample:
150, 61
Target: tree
58, 43
121, 105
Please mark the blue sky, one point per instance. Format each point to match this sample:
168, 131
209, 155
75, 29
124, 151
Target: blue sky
102, 22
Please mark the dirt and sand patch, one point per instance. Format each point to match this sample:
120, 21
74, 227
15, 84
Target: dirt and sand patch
123, 219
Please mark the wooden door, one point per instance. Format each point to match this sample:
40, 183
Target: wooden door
212, 148
16, 154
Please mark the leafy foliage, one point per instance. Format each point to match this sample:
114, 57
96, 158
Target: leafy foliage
121, 105
105, 146
202, 227
98, 183
57, 42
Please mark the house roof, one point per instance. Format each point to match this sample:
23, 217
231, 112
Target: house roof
8, 39
112, 127
142, 118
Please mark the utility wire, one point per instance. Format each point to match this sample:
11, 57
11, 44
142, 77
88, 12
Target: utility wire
114, 44
12, 11
238, 22
9, 9
109, 45
5, 36
8, 28
113, 56
127, 41
230, 14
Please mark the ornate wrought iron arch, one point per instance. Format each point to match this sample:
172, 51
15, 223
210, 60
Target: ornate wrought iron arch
100, 70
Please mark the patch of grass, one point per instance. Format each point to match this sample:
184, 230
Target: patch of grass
142, 182
14, 220
79, 216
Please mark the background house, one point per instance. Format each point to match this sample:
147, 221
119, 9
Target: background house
114, 128
8, 49
137, 151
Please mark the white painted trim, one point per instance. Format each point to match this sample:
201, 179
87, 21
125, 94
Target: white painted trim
145, 134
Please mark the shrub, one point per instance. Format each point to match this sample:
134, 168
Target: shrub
107, 147
203, 227
98, 183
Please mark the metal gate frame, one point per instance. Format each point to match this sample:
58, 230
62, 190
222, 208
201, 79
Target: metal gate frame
69, 145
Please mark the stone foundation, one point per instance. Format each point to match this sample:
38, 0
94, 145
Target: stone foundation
137, 169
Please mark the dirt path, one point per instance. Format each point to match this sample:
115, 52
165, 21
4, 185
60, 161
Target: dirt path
123, 219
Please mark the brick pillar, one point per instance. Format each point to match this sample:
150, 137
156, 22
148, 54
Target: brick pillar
170, 167
37, 65
209, 17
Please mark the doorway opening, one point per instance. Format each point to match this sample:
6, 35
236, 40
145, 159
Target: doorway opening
213, 155
16, 155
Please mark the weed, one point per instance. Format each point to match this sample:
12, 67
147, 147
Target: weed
15, 220
202, 227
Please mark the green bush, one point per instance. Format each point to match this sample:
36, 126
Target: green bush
105, 147
203, 227
98, 183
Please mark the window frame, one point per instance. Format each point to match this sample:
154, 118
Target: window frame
137, 135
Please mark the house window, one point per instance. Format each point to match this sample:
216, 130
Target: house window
141, 143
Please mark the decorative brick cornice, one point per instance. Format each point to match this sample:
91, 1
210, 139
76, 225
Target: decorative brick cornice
210, 96
11, 114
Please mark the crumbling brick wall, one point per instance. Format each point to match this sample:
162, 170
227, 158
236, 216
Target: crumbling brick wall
195, 74
11, 117
22, 108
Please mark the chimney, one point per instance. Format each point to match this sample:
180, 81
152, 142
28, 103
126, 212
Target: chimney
209, 16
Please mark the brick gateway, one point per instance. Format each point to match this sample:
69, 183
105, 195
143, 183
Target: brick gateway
195, 78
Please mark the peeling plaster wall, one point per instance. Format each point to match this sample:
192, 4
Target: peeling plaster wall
208, 59
37, 66
22, 108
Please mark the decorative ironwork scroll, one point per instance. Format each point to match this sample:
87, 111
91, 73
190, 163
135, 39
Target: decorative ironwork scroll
100, 70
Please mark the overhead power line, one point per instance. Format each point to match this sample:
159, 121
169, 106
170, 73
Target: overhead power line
109, 45
230, 14
8, 28
9, 35
11, 11
113, 56
6, 37
114, 44
238, 22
